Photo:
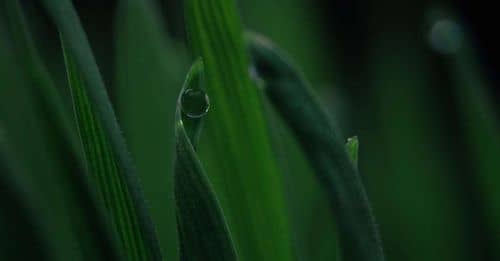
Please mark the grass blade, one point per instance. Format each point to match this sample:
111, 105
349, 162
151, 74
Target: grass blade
85, 215
203, 233
43, 86
104, 147
150, 69
481, 128
247, 180
108, 174
293, 99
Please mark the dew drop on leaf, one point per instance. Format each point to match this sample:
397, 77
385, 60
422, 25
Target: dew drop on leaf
195, 103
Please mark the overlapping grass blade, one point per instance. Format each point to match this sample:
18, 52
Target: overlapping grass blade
312, 235
150, 68
305, 43
247, 180
43, 86
203, 232
85, 214
102, 164
296, 103
47, 168
104, 148
402, 115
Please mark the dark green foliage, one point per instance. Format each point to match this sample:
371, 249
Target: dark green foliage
294, 100
203, 232
18, 221
105, 151
150, 67
267, 178
247, 181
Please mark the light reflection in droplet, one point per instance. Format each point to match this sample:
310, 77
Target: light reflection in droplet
195, 103
446, 36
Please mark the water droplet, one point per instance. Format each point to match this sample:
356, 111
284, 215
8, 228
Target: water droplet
195, 103
446, 36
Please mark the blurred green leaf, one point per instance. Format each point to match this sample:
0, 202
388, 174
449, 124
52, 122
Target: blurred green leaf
106, 170
42, 85
290, 94
313, 235
106, 154
247, 180
407, 168
19, 224
482, 134
47, 166
150, 67
305, 38
203, 231
85, 215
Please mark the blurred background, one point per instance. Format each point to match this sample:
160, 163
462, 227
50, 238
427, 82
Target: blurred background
416, 81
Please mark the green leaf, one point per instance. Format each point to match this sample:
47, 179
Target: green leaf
43, 87
203, 232
106, 155
246, 179
114, 189
150, 67
301, 19
291, 96
81, 208
313, 235
405, 132
48, 171
481, 128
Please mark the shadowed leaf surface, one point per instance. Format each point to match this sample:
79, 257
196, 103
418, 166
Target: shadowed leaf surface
203, 232
246, 180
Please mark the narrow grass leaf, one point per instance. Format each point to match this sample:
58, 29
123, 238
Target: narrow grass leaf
481, 127
150, 69
203, 232
104, 167
352, 147
43, 86
85, 215
247, 180
104, 148
290, 94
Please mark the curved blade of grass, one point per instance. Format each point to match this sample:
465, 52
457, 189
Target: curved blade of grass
48, 169
26, 135
203, 233
246, 180
104, 148
481, 127
150, 69
290, 94
102, 163
43, 86
84, 212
